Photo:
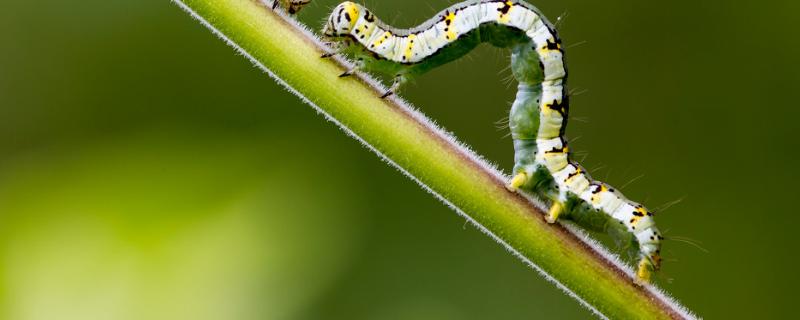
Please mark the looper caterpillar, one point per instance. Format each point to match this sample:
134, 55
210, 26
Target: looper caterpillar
290, 6
538, 116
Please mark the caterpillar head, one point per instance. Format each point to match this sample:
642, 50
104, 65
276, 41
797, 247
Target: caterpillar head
655, 257
342, 20
652, 259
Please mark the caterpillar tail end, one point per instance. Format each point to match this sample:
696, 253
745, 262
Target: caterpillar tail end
517, 181
292, 7
644, 273
296, 5
555, 210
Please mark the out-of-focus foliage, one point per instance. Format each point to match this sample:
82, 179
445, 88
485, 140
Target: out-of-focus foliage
147, 172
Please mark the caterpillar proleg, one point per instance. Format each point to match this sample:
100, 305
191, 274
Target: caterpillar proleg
538, 116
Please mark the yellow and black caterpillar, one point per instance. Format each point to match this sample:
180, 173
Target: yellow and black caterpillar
538, 116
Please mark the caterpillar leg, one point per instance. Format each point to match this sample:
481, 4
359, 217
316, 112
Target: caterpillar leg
520, 180
644, 271
399, 80
523, 124
555, 210
517, 181
337, 47
358, 66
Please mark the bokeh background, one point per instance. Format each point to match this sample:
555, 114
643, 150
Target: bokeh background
148, 172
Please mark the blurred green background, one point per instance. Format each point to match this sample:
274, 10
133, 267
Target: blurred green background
148, 172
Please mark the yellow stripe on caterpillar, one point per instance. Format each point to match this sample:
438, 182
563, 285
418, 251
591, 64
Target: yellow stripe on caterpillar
505, 12
450, 29
352, 12
381, 39
409, 47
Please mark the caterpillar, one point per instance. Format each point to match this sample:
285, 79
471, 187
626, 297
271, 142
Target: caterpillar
289, 6
538, 115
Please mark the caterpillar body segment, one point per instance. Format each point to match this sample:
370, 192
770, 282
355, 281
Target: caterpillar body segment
407, 53
538, 116
289, 6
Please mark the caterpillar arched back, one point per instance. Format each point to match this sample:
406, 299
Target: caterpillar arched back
538, 116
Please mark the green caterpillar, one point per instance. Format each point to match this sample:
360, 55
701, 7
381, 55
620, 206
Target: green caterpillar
538, 116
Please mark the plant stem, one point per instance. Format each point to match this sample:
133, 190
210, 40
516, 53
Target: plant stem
434, 159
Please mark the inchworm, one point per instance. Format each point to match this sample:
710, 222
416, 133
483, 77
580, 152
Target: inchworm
538, 116
290, 6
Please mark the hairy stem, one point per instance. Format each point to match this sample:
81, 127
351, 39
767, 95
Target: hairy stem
434, 159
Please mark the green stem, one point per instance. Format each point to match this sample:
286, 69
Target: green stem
433, 158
